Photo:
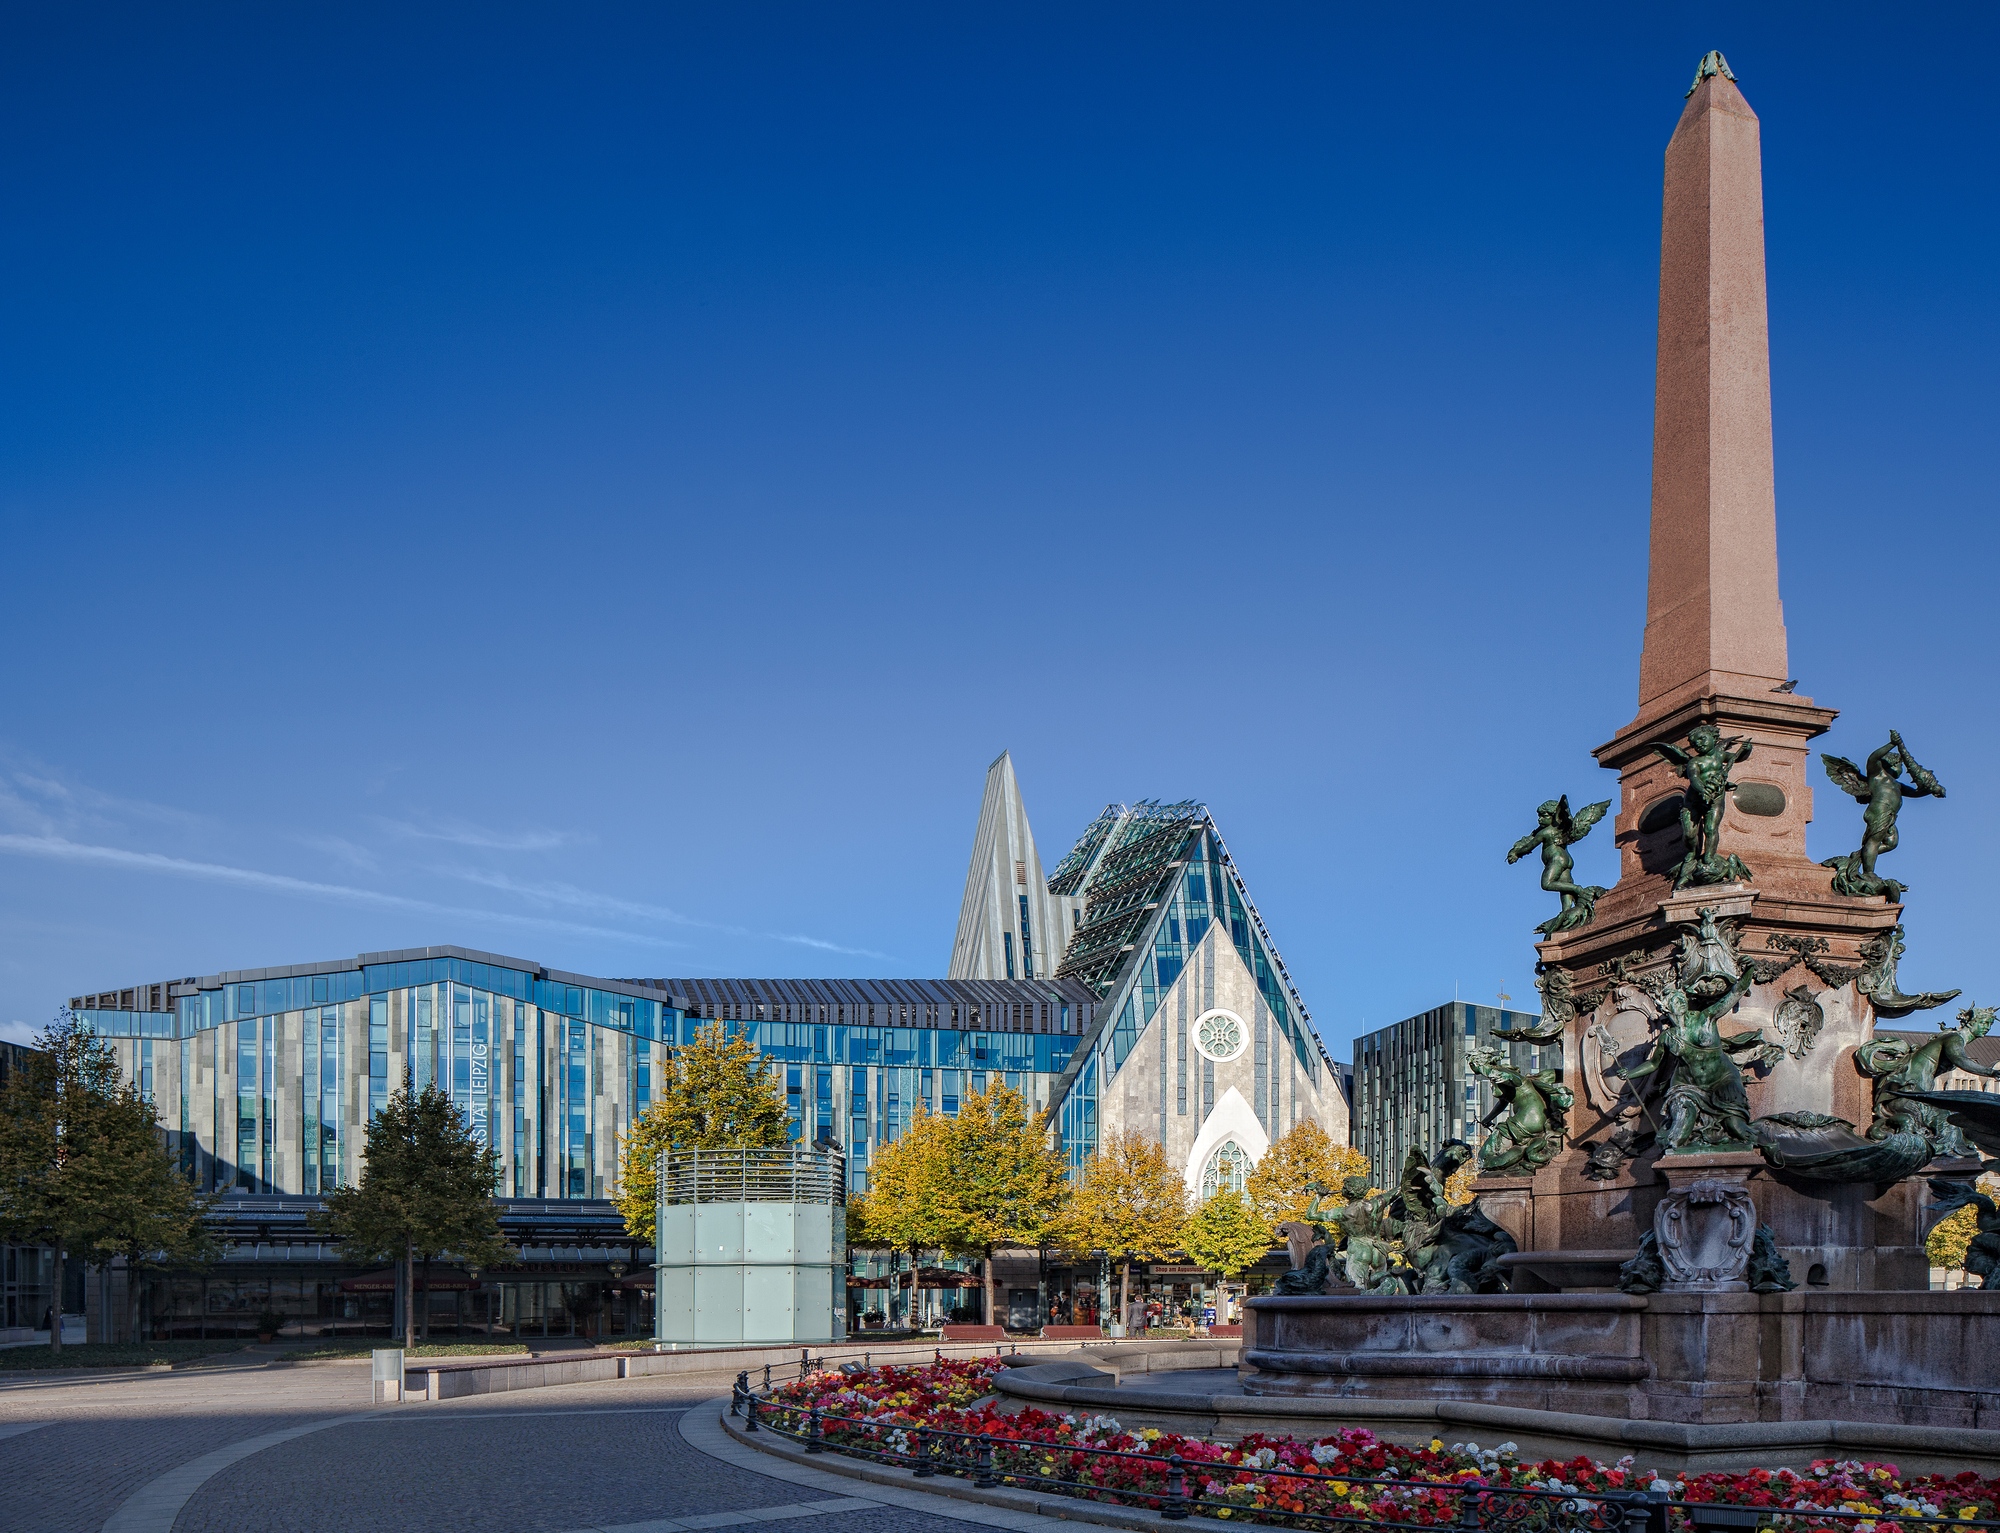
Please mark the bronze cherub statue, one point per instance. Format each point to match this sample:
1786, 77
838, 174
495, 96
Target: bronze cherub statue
1882, 789
1556, 831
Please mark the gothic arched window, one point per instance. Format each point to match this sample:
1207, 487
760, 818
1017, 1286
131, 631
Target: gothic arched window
1226, 1170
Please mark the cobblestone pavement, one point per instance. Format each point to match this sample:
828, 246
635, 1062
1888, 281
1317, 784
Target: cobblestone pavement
537, 1461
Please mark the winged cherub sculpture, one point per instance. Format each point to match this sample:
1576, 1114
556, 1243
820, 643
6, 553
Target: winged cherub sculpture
1882, 789
1556, 831
1705, 764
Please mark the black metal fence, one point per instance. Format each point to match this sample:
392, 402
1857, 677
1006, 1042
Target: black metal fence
1177, 1488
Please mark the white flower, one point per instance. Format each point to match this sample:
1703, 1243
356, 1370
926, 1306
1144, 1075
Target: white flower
1263, 1458
1661, 1487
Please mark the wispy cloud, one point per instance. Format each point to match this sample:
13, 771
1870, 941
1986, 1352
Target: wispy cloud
461, 833
340, 849
18, 1031
74, 802
62, 849
571, 897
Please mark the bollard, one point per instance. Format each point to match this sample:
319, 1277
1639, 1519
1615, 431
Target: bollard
750, 1414
938, 1353
814, 1443
736, 1395
1468, 1512
985, 1479
805, 1362
867, 1360
1646, 1511
923, 1471
1175, 1507
767, 1376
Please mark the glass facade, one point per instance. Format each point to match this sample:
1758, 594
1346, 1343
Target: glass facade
267, 1079
1412, 1089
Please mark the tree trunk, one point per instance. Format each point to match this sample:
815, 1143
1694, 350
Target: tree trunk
1125, 1295
55, 1307
409, 1296
132, 1298
986, 1286
427, 1297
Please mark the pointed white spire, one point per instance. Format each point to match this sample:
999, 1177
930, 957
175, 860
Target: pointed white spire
1008, 926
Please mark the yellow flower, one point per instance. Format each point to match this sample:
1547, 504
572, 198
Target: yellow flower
1437, 1445
1965, 1513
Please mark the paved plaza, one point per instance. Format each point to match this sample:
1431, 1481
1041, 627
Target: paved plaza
260, 1447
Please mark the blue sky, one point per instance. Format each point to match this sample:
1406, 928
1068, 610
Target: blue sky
600, 483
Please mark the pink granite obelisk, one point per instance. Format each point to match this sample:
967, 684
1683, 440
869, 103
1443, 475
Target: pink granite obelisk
1715, 629
1713, 619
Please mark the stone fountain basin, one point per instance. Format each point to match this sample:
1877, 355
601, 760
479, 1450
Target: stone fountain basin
1585, 1271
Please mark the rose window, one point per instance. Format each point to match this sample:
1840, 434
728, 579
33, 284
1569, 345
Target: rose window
1220, 1035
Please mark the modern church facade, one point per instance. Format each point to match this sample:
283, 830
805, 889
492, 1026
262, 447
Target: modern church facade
1134, 989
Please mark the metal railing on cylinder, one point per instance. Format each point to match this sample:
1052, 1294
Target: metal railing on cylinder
1176, 1488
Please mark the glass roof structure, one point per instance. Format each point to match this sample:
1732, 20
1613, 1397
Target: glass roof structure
1151, 879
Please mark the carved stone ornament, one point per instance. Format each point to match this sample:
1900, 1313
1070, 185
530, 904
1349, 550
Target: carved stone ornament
1798, 1022
1705, 1231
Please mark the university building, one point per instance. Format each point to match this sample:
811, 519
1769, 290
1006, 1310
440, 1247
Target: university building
1135, 988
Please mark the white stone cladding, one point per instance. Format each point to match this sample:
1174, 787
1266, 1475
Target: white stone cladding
1192, 1104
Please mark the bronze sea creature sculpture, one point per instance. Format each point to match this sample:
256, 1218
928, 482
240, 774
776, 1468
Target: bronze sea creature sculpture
1914, 1123
1880, 787
1704, 764
1883, 952
1556, 831
1975, 1114
1536, 1106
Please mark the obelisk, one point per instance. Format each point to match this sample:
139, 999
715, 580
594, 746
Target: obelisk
1714, 654
1713, 619
1715, 630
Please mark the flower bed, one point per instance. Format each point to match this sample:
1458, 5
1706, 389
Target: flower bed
926, 1414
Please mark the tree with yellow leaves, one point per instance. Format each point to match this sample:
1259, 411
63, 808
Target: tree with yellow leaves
1280, 1186
1953, 1233
906, 1206
1132, 1206
1006, 1185
716, 1093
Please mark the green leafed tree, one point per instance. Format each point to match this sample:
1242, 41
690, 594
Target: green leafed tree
1132, 1206
1007, 1184
1226, 1234
84, 1167
716, 1093
426, 1191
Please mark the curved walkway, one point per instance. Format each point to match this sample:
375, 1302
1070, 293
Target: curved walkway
298, 1449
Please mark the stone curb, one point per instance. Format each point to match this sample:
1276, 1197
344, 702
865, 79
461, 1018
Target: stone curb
944, 1487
